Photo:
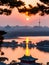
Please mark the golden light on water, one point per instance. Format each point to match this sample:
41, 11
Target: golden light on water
27, 49
27, 40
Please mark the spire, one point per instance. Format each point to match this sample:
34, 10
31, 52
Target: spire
39, 22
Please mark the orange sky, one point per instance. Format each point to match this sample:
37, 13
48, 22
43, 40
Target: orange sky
17, 18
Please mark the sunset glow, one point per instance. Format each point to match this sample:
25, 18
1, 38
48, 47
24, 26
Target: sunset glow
24, 32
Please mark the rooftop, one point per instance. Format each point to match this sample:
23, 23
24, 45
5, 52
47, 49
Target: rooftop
28, 58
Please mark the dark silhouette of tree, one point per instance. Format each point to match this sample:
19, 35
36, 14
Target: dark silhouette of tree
1, 37
2, 59
45, 1
13, 63
40, 8
1, 40
11, 4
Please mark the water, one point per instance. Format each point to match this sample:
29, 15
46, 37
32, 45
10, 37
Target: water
43, 57
34, 39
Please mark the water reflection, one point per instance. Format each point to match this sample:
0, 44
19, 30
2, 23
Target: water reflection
13, 54
19, 51
42, 56
34, 39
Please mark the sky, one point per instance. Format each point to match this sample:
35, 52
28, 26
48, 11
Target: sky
17, 18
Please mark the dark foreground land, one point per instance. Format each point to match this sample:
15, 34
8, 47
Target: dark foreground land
17, 34
31, 33
43, 45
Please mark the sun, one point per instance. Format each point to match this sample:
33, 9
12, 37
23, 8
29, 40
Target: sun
27, 19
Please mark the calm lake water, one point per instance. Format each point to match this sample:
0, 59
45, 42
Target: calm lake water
43, 57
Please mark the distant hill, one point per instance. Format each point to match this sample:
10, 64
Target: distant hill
15, 31
24, 28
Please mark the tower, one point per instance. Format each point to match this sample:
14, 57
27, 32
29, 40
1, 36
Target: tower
39, 23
